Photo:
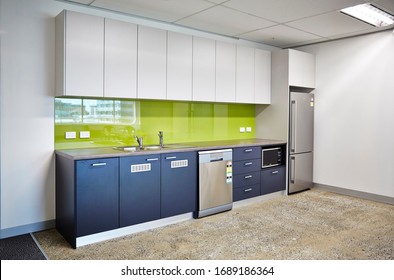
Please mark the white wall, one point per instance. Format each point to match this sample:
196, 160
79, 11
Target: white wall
354, 113
27, 49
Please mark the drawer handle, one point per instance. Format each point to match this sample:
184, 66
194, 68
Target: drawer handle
275, 172
248, 190
248, 150
248, 176
99, 164
170, 157
152, 159
248, 163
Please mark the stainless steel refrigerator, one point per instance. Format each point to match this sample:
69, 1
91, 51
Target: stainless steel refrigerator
301, 141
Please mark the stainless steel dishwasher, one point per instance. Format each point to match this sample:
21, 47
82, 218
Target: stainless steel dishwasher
215, 182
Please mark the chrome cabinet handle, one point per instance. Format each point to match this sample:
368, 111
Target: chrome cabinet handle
99, 164
275, 172
248, 150
248, 176
152, 159
248, 190
171, 157
248, 163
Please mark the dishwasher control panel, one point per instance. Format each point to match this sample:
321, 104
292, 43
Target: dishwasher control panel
229, 172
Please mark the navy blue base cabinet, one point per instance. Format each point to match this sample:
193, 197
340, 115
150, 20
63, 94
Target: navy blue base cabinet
178, 183
246, 170
139, 189
273, 179
87, 196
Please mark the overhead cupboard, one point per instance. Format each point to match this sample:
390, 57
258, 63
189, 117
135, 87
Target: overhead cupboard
102, 57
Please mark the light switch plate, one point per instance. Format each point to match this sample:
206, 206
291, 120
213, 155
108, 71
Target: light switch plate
248, 129
70, 135
242, 129
84, 134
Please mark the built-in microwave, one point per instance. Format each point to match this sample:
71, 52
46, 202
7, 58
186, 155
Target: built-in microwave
271, 157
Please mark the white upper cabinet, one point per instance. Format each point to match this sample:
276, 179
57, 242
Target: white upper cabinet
245, 75
225, 72
101, 57
79, 54
262, 77
179, 66
301, 69
203, 69
120, 59
152, 60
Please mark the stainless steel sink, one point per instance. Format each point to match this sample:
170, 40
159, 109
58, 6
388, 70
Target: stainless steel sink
151, 148
127, 148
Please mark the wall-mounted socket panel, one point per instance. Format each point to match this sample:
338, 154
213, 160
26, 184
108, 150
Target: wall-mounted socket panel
84, 134
70, 135
242, 129
248, 129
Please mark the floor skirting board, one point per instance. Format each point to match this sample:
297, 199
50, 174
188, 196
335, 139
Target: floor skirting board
19, 230
354, 193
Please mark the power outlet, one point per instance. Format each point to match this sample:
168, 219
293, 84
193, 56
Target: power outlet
248, 129
242, 129
84, 134
70, 135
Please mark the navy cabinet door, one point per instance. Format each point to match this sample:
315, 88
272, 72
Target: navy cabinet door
139, 189
97, 195
273, 179
178, 183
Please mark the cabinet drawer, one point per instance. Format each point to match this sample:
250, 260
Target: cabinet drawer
246, 153
273, 179
246, 192
246, 166
246, 179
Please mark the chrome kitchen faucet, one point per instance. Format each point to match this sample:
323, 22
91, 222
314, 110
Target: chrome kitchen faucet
140, 141
161, 139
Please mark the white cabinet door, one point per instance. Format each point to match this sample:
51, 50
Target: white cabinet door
225, 72
262, 77
245, 75
152, 56
301, 69
203, 69
120, 67
179, 66
83, 54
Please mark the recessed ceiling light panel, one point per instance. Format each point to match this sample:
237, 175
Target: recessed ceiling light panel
370, 14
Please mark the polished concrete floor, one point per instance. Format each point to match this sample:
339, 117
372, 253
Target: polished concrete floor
310, 225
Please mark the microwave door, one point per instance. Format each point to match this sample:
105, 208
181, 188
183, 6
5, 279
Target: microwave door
301, 122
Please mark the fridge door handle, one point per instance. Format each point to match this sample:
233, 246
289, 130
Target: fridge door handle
292, 170
293, 121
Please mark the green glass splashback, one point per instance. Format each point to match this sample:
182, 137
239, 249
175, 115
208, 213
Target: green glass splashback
115, 122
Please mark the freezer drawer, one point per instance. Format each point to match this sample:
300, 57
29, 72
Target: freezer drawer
300, 172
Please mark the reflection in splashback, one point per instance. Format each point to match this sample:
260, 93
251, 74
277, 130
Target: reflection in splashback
115, 122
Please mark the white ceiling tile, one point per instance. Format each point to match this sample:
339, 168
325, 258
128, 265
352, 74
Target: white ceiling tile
279, 35
165, 10
331, 24
387, 5
225, 21
288, 10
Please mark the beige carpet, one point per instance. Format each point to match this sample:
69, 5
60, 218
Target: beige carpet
309, 225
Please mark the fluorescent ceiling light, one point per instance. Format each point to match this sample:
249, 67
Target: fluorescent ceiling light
370, 14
